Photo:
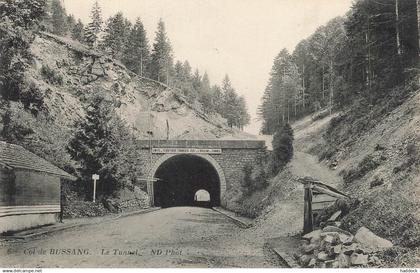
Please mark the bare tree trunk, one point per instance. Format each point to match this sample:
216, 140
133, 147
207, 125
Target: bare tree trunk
323, 83
331, 86
303, 85
141, 63
367, 61
418, 24
167, 72
397, 29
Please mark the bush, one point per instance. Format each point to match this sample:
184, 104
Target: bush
254, 178
102, 144
51, 75
320, 115
246, 181
282, 148
368, 164
389, 214
32, 98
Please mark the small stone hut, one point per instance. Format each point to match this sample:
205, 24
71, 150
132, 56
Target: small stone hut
29, 189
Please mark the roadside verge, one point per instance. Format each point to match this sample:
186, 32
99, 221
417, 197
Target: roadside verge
71, 223
240, 221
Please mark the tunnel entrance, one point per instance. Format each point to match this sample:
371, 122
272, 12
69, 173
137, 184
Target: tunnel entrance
179, 179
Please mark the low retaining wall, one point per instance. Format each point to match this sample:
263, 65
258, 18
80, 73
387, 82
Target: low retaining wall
24, 221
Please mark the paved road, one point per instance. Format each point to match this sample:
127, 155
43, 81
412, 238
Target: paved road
173, 237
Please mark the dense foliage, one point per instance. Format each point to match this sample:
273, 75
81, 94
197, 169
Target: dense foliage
17, 20
363, 56
104, 145
282, 148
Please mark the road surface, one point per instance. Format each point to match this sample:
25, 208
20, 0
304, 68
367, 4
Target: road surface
173, 237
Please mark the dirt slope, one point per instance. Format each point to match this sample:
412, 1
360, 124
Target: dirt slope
390, 208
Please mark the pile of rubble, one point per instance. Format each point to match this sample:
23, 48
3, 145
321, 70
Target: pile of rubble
127, 200
332, 247
77, 209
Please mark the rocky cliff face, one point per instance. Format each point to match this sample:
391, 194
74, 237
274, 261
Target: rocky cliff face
76, 73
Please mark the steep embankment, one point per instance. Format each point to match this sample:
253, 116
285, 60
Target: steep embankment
378, 165
76, 73
282, 201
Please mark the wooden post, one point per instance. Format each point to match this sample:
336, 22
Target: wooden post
308, 217
150, 191
95, 177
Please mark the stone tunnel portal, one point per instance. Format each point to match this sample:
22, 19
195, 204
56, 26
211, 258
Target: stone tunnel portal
179, 179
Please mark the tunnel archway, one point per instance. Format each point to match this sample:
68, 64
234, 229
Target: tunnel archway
180, 176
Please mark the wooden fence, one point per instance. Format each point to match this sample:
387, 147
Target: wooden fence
317, 196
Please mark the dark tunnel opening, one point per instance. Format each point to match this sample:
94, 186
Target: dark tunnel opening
181, 177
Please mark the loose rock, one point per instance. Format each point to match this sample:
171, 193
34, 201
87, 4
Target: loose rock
312, 263
337, 249
368, 239
322, 256
358, 259
316, 234
349, 249
308, 249
304, 260
343, 260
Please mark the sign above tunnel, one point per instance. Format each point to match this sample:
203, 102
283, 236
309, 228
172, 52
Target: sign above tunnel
186, 151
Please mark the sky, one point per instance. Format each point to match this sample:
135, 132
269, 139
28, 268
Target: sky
235, 37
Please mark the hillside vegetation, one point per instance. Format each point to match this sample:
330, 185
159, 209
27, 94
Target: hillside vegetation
378, 165
49, 86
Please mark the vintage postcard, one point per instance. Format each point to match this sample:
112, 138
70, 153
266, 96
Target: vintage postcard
209, 134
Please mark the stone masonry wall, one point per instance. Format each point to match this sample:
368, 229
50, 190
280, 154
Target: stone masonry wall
231, 161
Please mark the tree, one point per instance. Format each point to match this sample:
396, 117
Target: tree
233, 107
205, 94
103, 145
23, 14
418, 25
282, 148
205, 84
229, 102
58, 18
94, 27
137, 54
162, 60
281, 94
217, 99
77, 33
242, 110
196, 81
17, 21
71, 21
116, 35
